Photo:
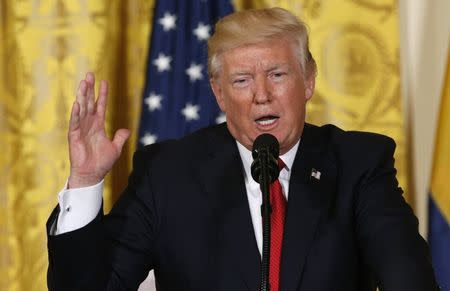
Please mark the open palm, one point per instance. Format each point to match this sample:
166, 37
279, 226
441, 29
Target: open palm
92, 153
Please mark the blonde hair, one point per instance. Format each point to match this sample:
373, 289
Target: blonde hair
258, 25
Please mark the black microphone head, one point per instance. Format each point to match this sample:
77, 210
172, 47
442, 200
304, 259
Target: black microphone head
268, 141
265, 154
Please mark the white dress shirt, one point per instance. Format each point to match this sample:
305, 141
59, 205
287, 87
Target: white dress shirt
79, 206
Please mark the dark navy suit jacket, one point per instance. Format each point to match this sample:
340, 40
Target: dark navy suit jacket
185, 214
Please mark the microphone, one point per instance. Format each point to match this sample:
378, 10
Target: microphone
264, 171
265, 155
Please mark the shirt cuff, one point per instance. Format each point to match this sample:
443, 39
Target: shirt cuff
78, 207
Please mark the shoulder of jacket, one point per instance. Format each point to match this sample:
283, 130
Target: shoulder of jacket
361, 139
184, 148
353, 146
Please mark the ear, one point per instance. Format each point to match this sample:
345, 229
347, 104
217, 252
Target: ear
218, 92
310, 84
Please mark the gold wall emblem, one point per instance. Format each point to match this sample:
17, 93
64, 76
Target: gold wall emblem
353, 68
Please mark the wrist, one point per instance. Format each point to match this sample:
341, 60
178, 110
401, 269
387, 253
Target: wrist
80, 181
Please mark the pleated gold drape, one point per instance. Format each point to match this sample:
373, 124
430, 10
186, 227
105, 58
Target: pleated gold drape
46, 46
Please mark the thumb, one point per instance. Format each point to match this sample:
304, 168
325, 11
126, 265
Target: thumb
120, 137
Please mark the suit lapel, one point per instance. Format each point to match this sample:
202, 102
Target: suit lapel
222, 176
308, 200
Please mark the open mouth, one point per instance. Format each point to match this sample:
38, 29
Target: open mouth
267, 120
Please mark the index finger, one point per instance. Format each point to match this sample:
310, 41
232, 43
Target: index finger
102, 98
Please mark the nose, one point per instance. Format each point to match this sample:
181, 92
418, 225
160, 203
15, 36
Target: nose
261, 91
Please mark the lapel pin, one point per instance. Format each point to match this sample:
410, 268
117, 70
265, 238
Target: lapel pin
315, 174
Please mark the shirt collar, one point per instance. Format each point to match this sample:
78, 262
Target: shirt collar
247, 159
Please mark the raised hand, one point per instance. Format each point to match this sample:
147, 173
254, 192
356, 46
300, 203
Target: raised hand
92, 153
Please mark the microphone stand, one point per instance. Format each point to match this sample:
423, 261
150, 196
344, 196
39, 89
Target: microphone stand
264, 170
264, 182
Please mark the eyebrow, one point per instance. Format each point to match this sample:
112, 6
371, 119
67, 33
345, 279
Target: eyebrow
241, 73
276, 67
269, 69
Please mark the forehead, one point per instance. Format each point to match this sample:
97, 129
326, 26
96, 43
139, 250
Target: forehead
271, 53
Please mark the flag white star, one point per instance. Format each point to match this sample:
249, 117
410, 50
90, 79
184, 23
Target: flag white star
202, 31
221, 118
153, 101
190, 112
168, 21
162, 62
148, 138
195, 72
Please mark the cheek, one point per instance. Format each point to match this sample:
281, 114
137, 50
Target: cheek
292, 90
295, 108
240, 102
232, 110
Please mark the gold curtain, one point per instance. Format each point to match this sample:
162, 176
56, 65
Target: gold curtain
47, 46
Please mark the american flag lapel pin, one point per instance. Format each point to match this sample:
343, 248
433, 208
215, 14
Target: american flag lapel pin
315, 174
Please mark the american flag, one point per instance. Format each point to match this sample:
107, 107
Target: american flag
177, 98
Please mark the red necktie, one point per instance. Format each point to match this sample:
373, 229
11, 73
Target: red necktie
278, 204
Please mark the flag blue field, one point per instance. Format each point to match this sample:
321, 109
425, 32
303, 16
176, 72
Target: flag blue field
439, 206
178, 98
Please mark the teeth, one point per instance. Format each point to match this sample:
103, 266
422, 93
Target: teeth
266, 121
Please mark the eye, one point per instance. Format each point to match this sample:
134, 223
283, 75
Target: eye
240, 82
277, 75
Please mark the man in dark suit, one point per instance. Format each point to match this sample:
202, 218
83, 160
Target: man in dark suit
191, 209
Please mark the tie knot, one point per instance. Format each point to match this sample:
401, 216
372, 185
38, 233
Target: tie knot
281, 164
